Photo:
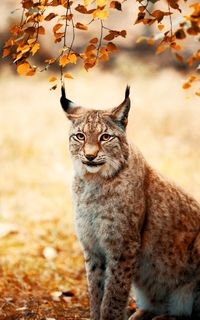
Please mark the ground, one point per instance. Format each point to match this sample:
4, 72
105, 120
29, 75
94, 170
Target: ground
41, 265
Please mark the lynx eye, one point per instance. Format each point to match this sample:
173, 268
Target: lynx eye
106, 137
80, 136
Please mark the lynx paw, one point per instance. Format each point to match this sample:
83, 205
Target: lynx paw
142, 315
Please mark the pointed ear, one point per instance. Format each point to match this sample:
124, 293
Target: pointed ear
70, 108
120, 114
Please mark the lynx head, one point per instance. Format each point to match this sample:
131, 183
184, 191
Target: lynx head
97, 138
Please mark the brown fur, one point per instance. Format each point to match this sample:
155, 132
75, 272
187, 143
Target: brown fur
137, 229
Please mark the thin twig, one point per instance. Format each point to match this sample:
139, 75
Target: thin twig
22, 18
73, 32
100, 40
64, 38
170, 20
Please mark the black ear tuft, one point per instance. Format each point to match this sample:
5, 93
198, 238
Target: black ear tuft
65, 103
127, 92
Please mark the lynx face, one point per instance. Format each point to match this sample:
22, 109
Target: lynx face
97, 138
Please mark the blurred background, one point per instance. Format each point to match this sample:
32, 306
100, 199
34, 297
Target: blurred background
37, 244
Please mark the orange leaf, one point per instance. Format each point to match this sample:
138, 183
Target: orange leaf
186, 85
197, 93
161, 27
116, 5
57, 27
52, 79
90, 47
41, 30
179, 57
175, 46
104, 57
111, 47
68, 75
50, 16
6, 52
150, 41
94, 40
31, 72
81, 26
23, 68
161, 49
142, 8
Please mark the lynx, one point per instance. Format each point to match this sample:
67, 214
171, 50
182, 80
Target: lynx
137, 229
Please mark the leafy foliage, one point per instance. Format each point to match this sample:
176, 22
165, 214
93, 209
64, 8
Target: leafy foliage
27, 35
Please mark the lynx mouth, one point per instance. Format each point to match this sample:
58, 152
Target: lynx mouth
93, 164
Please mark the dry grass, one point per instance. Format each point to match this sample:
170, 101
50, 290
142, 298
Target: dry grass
36, 170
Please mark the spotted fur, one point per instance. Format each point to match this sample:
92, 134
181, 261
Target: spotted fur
137, 229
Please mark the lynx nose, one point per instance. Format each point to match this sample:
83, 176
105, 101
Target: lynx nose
90, 157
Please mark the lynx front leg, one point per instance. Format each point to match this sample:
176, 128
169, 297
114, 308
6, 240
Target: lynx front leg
119, 274
95, 268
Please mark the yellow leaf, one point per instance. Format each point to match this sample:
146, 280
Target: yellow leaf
31, 41
23, 68
101, 3
52, 79
68, 75
64, 60
72, 58
101, 14
197, 93
86, 2
35, 48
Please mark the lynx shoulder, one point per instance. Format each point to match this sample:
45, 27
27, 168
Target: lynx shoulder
137, 230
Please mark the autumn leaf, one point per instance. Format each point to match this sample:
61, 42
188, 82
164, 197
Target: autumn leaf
68, 75
94, 40
50, 16
52, 79
101, 3
186, 85
81, 26
161, 27
180, 34
23, 68
50, 61
116, 5
41, 30
111, 47
179, 57
161, 48
35, 48
100, 14
64, 60
175, 46
57, 27
72, 58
